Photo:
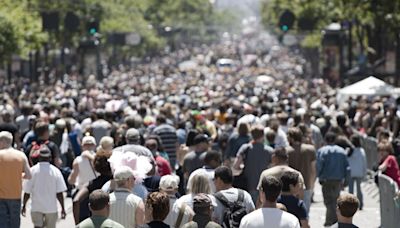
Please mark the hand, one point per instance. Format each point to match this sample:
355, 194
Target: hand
23, 211
63, 214
87, 154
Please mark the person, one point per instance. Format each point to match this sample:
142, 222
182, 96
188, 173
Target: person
269, 216
100, 127
163, 166
132, 137
202, 207
358, 167
291, 187
388, 163
347, 205
82, 168
223, 179
106, 143
235, 141
169, 138
256, 157
302, 157
157, 209
14, 167
332, 169
125, 207
211, 161
169, 184
8, 125
99, 204
45, 188
195, 159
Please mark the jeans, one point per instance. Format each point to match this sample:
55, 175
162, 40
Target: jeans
10, 213
359, 192
307, 199
331, 191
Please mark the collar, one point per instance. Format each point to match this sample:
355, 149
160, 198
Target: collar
122, 190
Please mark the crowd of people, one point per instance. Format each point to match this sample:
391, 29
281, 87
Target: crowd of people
162, 146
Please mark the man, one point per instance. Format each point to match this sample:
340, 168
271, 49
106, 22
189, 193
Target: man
202, 207
41, 130
195, 159
125, 207
14, 166
22, 121
163, 166
100, 127
223, 179
169, 184
255, 156
8, 125
169, 139
347, 205
132, 138
82, 168
269, 215
211, 161
99, 204
332, 169
302, 157
291, 188
45, 188
280, 138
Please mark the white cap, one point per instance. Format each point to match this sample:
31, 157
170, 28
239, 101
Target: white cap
123, 173
88, 140
169, 182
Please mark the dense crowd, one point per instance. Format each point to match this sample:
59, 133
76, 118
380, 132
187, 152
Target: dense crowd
167, 144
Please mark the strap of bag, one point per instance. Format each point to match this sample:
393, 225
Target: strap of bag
91, 166
245, 153
222, 199
180, 215
241, 196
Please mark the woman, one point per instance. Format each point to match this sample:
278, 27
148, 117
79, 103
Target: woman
157, 209
358, 167
388, 163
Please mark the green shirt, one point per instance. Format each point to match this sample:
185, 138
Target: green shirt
99, 222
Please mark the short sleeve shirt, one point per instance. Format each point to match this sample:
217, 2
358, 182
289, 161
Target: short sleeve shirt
294, 206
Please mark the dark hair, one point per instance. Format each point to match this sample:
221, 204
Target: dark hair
98, 200
190, 137
347, 204
101, 163
356, 140
161, 119
272, 188
41, 128
257, 132
159, 141
341, 120
281, 154
159, 203
289, 178
295, 133
212, 156
330, 137
224, 173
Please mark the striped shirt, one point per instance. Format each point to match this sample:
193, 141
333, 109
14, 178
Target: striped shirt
123, 205
169, 140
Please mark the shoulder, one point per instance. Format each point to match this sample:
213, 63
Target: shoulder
289, 217
212, 225
308, 148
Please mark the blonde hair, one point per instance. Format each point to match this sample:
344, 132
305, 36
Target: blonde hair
200, 184
6, 138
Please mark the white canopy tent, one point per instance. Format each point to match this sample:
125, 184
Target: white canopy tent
370, 86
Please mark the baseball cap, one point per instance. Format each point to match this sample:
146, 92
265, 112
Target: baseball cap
200, 139
88, 140
132, 134
44, 151
201, 200
169, 182
123, 173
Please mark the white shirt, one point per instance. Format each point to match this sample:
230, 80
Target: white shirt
269, 218
174, 213
207, 171
46, 182
188, 200
86, 171
123, 205
232, 195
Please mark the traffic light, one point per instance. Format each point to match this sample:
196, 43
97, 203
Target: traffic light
286, 20
71, 22
93, 27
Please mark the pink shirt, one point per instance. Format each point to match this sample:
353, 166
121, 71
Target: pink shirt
392, 169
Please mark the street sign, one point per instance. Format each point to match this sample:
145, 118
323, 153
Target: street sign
132, 39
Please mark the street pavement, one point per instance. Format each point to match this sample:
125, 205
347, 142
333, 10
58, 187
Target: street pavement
369, 217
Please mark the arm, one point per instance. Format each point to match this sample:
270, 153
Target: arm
60, 198
304, 223
74, 174
238, 161
26, 198
27, 171
140, 214
313, 174
80, 196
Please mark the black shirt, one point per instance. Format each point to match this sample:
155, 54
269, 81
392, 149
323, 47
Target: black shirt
157, 224
344, 225
294, 206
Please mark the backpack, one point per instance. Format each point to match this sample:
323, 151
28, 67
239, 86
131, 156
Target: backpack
234, 212
34, 152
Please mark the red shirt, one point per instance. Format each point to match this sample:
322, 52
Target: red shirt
163, 166
392, 169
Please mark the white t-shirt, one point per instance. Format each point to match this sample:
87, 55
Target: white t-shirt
174, 213
207, 171
269, 218
232, 195
86, 171
46, 182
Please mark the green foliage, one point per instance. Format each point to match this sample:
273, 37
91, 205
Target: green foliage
8, 41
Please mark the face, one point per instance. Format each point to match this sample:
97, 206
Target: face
152, 145
218, 184
295, 190
382, 153
88, 147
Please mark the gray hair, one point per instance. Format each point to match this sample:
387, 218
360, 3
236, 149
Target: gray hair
200, 184
6, 138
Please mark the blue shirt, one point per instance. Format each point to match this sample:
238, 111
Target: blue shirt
294, 206
332, 163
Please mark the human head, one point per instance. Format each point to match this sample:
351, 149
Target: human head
257, 132
271, 188
202, 205
347, 205
99, 203
6, 139
294, 135
101, 164
330, 137
212, 159
152, 144
132, 136
199, 184
223, 178
157, 206
243, 128
290, 182
41, 130
107, 143
124, 177
88, 143
161, 119
201, 142
355, 140
341, 120
385, 149
279, 156
169, 184
44, 153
